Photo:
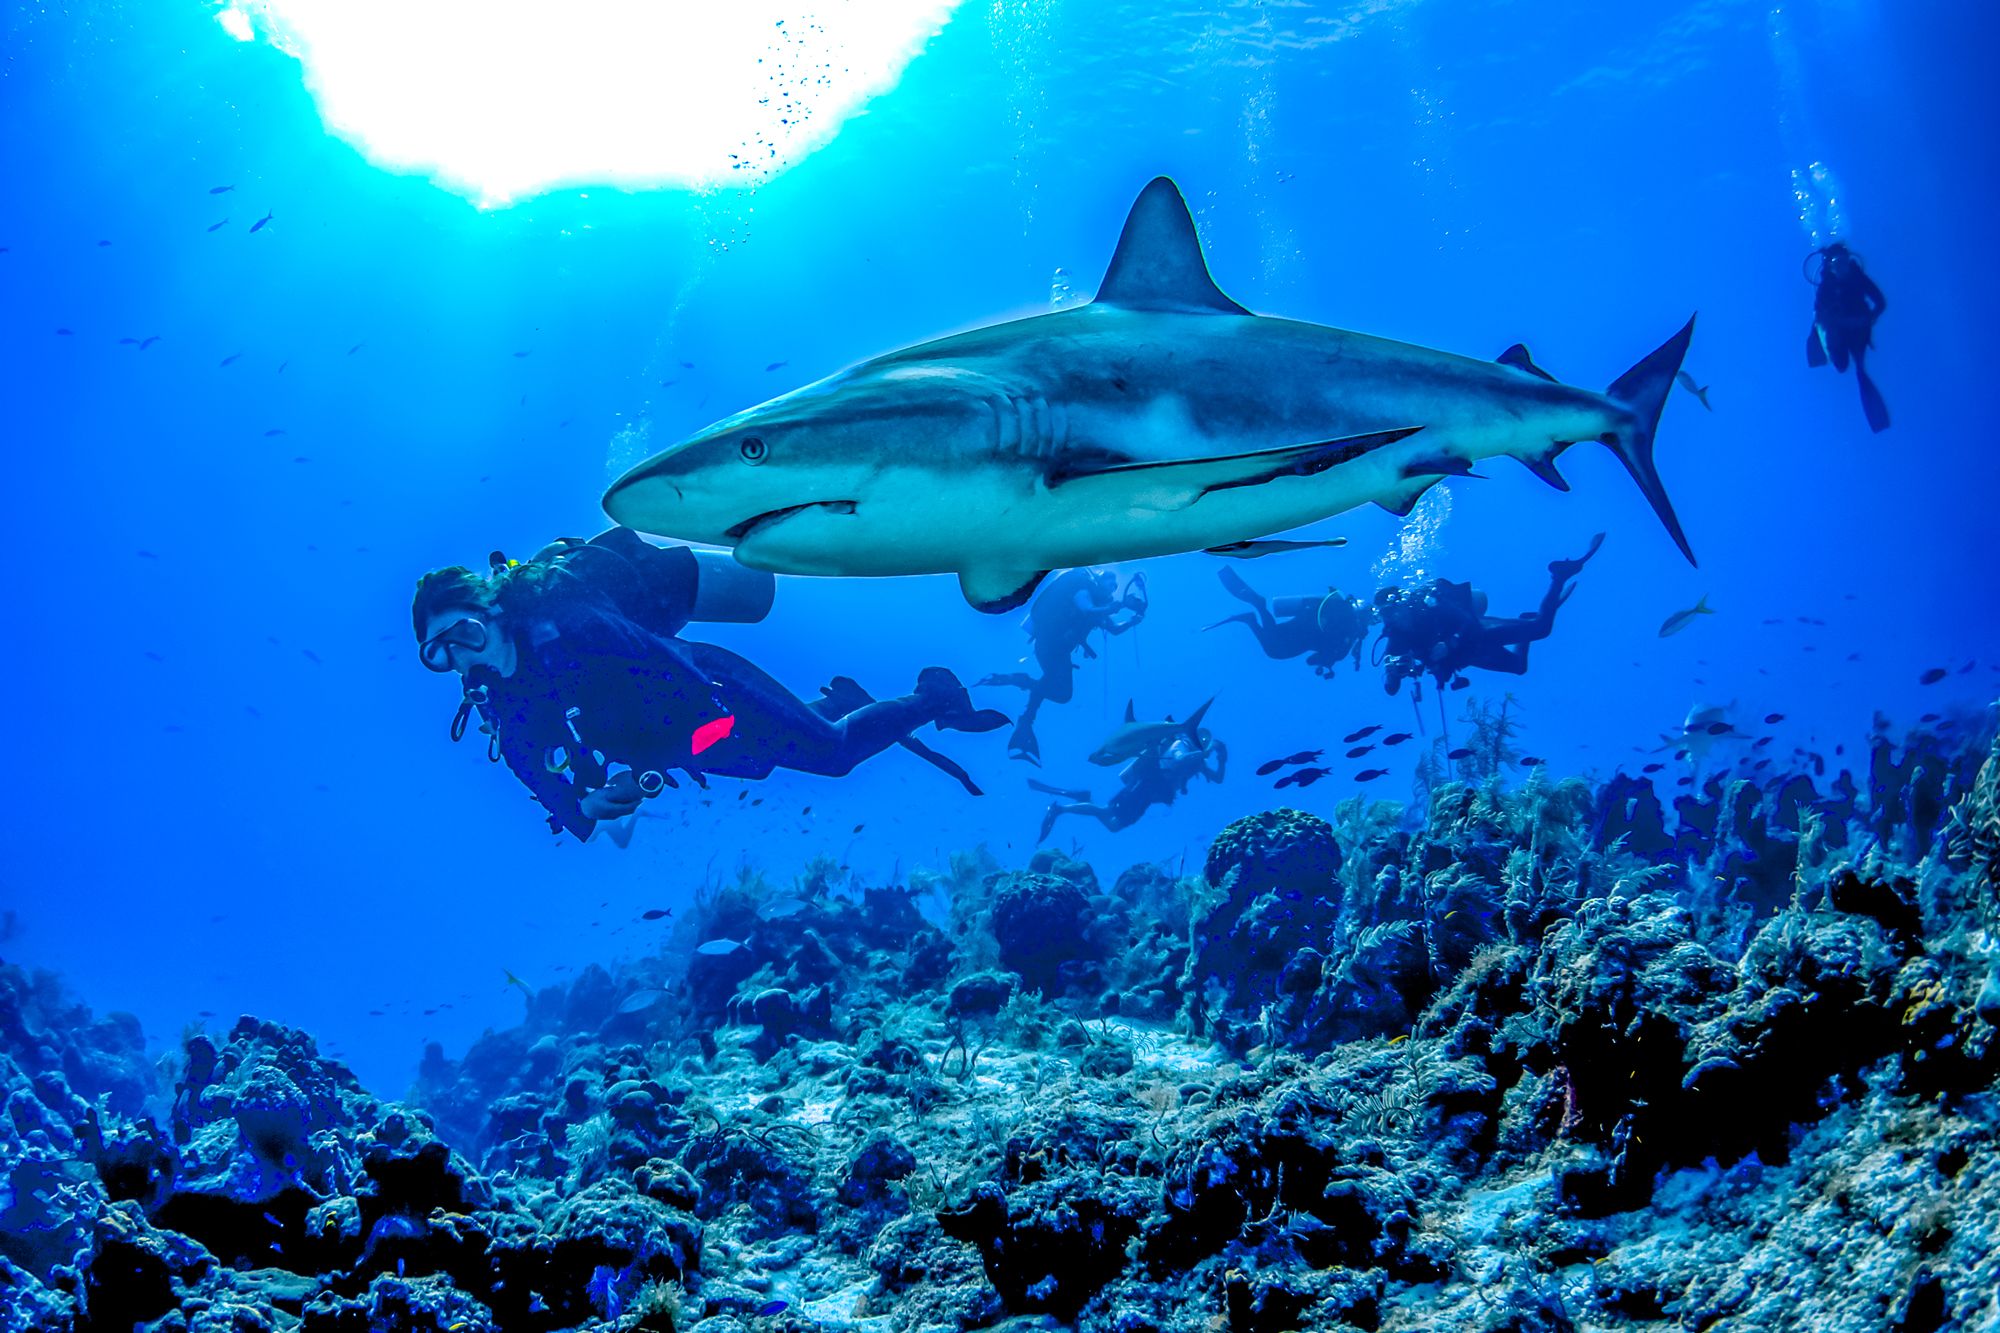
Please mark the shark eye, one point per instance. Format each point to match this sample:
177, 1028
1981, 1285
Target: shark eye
753, 449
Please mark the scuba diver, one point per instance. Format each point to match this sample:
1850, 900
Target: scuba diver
1441, 629
1846, 305
1072, 605
1156, 777
1326, 628
573, 663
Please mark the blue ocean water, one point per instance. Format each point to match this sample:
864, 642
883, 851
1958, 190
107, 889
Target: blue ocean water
232, 788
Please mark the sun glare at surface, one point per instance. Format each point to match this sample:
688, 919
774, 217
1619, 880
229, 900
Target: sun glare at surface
500, 100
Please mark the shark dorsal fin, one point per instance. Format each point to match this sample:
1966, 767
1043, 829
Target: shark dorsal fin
1130, 716
1158, 264
1517, 357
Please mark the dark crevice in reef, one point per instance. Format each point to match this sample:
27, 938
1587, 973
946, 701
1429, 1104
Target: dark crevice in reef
1540, 1057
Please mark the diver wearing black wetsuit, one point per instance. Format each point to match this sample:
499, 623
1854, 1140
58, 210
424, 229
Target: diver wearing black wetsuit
1845, 308
1157, 777
1442, 630
1325, 628
574, 666
1072, 605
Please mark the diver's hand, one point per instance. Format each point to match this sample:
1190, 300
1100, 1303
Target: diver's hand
615, 799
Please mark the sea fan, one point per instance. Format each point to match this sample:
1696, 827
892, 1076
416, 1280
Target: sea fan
1972, 837
588, 1147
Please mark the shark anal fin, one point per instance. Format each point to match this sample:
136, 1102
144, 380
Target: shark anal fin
1438, 465
1401, 505
999, 590
1517, 357
1177, 483
1158, 264
1545, 468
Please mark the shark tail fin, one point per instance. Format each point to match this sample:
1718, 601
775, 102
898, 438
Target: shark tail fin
1193, 724
1643, 389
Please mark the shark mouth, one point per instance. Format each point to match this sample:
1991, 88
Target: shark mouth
771, 518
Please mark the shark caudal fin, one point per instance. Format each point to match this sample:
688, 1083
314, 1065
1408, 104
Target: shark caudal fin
1193, 725
1644, 389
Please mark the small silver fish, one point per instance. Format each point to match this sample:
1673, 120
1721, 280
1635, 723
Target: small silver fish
1680, 620
640, 1000
1698, 390
779, 908
720, 948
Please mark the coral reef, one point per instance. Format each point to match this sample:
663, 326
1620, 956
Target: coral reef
1543, 1056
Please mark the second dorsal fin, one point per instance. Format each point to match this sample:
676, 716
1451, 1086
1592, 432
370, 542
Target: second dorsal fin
1517, 357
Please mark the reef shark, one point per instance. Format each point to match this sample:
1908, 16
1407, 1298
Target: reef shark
1133, 737
1161, 417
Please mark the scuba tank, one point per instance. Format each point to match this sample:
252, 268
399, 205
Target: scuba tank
666, 587
728, 591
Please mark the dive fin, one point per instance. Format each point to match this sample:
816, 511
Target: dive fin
1178, 483
1158, 264
1872, 405
1644, 390
998, 590
1815, 347
1517, 357
1238, 587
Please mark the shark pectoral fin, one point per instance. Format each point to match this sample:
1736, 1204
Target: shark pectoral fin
1178, 483
998, 590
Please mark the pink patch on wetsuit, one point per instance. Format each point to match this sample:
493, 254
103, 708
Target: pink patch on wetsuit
708, 733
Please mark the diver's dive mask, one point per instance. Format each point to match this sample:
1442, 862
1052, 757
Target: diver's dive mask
435, 652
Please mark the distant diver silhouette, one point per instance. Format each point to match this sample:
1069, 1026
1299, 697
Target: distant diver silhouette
1441, 629
1325, 627
1072, 606
1157, 777
1846, 305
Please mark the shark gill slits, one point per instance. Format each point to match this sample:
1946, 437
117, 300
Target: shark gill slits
753, 449
1006, 425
